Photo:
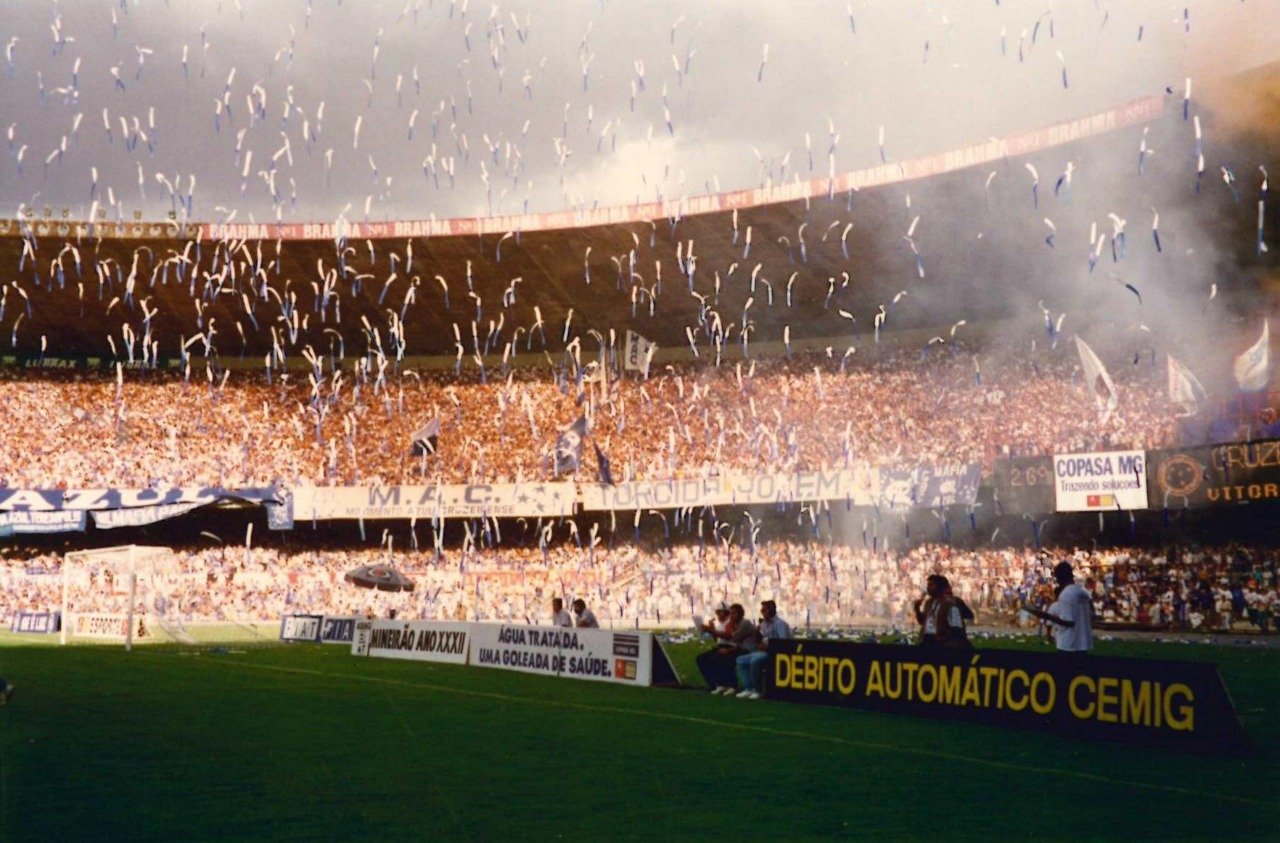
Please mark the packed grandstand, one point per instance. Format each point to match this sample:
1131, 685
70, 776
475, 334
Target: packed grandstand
655, 407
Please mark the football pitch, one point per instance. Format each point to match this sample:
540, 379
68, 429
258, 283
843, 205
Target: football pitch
245, 741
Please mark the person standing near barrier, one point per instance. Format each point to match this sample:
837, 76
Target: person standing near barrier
559, 617
717, 665
1071, 614
942, 616
586, 617
750, 666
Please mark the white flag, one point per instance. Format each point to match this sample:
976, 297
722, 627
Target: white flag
1097, 381
1184, 388
639, 351
1251, 367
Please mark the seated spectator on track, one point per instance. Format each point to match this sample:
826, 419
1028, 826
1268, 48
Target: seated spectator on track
750, 666
717, 664
586, 617
559, 617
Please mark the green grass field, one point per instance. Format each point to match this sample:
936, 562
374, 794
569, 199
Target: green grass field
306, 742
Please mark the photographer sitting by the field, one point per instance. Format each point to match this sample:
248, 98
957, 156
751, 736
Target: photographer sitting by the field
717, 664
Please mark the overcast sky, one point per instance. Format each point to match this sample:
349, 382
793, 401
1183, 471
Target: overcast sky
530, 106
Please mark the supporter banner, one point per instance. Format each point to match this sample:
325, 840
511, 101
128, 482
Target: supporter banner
110, 519
108, 626
860, 486
41, 622
639, 352
1024, 486
337, 630
930, 486
1239, 472
23, 521
1132, 700
459, 501
93, 499
597, 654
300, 627
424, 641
1108, 480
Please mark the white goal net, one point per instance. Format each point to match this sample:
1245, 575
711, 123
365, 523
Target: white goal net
119, 594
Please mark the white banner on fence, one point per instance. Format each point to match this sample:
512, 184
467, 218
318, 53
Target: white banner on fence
1108, 480
300, 627
860, 486
639, 351
424, 641
475, 500
596, 654
108, 626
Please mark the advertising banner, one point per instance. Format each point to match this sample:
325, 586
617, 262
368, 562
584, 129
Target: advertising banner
108, 626
1141, 701
859, 486
1107, 480
300, 627
425, 641
930, 486
597, 654
475, 500
337, 630
1234, 473
39, 622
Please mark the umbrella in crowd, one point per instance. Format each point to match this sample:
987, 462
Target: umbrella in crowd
381, 577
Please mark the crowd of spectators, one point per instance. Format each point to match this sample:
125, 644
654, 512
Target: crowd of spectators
814, 584
147, 429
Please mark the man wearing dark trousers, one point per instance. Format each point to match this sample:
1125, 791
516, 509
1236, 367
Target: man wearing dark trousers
717, 664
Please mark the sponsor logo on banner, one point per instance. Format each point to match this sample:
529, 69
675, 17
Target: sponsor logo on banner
38, 622
337, 630
1141, 701
599, 655
860, 486
426, 641
300, 627
108, 626
452, 501
1233, 473
1100, 481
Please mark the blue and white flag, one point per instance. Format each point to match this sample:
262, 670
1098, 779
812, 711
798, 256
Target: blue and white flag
1097, 381
1253, 366
568, 451
426, 438
1184, 388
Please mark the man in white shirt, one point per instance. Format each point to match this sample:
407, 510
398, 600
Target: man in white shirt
586, 617
559, 617
1071, 614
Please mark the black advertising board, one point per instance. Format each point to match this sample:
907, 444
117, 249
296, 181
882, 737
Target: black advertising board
1140, 701
1024, 486
1215, 475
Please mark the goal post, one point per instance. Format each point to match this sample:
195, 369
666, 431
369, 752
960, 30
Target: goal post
123, 561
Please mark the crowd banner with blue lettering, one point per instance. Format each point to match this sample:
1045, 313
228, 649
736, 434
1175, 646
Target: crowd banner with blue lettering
600, 655
338, 629
48, 500
1232, 473
859, 486
1141, 701
1107, 480
38, 622
447, 642
930, 486
36, 521
300, 627
475, 500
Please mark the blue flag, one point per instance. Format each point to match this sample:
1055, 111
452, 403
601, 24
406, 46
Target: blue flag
568, 451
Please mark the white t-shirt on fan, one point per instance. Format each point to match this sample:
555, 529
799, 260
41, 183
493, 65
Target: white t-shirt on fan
1076, 605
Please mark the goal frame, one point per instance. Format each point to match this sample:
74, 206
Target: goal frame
121, 558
